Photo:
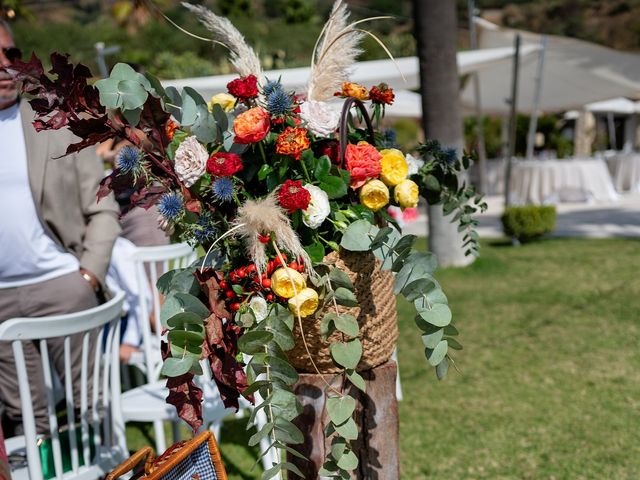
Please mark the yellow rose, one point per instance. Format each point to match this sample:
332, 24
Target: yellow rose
394, 167
226, 101
406, 194
281, 282
374, 195
306, 302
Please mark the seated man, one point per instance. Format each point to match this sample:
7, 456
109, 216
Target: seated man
55, 238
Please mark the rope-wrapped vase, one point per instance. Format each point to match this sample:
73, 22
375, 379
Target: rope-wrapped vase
376, 314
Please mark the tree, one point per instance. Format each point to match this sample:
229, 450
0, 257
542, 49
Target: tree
436, 34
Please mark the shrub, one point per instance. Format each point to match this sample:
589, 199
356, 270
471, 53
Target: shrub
529, 222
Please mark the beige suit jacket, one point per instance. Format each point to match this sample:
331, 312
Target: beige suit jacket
64, 192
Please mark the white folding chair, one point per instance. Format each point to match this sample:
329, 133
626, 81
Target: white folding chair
100, 330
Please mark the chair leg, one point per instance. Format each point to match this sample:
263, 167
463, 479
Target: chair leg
175, 431
161, 443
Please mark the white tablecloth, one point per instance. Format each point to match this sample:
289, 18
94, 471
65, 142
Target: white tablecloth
625, 171
553, 181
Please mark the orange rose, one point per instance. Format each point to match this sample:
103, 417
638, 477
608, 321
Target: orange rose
170, 129
354, 90
252, 125
293, 141
363, 161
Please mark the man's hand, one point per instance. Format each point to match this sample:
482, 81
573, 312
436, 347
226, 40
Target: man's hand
90, 278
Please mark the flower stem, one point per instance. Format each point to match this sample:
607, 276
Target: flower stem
304, 169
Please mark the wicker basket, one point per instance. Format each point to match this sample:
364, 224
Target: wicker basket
376, 314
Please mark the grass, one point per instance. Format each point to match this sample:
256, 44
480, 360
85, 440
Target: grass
549, 385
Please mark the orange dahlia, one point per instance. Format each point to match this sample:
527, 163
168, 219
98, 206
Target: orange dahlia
292, 142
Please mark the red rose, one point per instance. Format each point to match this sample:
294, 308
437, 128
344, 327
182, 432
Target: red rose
330, 148
363, 161
223, 164
251, 126
293, 196
244, 88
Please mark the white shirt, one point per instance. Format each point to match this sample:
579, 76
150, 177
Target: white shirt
27, 254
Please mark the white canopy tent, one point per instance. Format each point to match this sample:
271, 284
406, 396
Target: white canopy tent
575, 73
369, 73
620, 105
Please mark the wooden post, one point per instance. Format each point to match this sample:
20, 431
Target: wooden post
376, 415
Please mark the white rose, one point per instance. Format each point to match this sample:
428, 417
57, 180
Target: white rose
414, 164
318, 209
259, 307
190, 160
320, 118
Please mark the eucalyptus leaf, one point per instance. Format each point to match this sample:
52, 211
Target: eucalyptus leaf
339, 278
132, 94
417, 288
347, 324
347, 354
453, 343
254, 341
340, 408
348, 430
442, 368
436, 355
190, 303
257, 437
348, 461
133, 116
174, 367
431, 340
287, 432
346, 297
109, 94
170, 307
358, 236
355, 378
186, 321
438, 315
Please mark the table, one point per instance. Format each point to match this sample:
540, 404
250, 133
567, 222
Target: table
554, 181
625, 171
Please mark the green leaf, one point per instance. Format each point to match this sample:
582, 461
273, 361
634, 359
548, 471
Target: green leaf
347, 324
281, 332
189, 110
287, 432
338, 447
327, 325
184, 281
170, 307
451, 330
186, 339
347, 354
204, 126
439, 315
453, 343
237, 289
432, 297
357, 237
355, 378
186, 321
315, 252
346, 297
264, 171
381, 238
132, 94
109, 94
190, 303
322, 168
174, 367
442, 368
123, 71
348, 461
197, 98
155, 87
133, 116
284, 404
348, 429
436, 355
416, 265
281, 369
260, 434
432, 183
254, 342
432, 338
334, 186
340, 408
418, 288
222, 120
339, 278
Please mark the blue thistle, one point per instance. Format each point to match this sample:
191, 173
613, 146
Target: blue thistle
204, 231
449, 155
389, 138
170, 206
271, 87
223, 189
279, 102
128, 159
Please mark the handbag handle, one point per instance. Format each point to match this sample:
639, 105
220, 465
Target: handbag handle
344, 117
131, 462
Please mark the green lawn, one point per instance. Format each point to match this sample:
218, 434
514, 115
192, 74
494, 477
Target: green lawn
550, 380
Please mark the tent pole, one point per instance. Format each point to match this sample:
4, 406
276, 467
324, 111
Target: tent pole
512, 122
533, 121
482, 151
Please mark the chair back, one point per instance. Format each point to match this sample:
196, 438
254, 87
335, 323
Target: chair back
150, 264
99, 329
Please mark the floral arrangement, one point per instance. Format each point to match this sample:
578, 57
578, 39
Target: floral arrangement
268, 183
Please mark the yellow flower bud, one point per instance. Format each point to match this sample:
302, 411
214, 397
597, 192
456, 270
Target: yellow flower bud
374, 195
226, 101
306, 302
281, 282
406, 194
394, 167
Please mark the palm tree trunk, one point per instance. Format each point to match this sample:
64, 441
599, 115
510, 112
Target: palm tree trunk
436, 34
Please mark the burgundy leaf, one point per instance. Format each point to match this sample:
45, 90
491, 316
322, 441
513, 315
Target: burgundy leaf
186, 396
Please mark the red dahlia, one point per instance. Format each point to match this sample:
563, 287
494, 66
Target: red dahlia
244, 88
223, 164
382, 94
293, 196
